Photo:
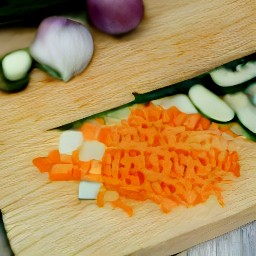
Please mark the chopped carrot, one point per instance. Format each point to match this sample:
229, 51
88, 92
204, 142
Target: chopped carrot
43, 164
95, 167
61, 172
120, 204
90, 130
64, 158
54, 156
100, 197
166, 156
192, 121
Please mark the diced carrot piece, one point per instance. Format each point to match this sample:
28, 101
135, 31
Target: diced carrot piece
64, 158
95, 167
54, 156
43, 164
120, 204
204, 123
180, 119
90, 131
100, 197
167, 156
192, 121
76, 174
75, 156
104, 135
92, 177
61, 172
214, 126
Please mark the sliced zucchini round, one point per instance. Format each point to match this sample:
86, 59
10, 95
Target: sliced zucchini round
209, 104
251, 92
245, 111
225, 77
13, 86
181, 101
16, 65
14, 71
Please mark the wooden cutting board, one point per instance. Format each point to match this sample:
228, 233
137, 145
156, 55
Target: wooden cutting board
177, 40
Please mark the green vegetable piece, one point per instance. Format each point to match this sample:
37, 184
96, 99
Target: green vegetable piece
14, 71
209, 104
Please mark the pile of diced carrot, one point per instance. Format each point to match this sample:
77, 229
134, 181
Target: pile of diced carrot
162, 155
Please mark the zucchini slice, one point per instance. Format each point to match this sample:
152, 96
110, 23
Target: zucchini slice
225, 77
251, 92
209, 104
16, 65
14, 71
245, 111
181, 101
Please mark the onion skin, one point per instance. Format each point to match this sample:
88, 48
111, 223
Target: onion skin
115, 17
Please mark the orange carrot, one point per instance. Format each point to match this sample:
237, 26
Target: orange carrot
54, 156
120, 204
90, 130
166, 156
185, 150
61, 172
43, 164
100, 197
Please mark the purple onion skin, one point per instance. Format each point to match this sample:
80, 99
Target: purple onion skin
115, 17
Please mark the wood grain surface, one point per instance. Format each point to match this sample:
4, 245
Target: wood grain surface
177, 40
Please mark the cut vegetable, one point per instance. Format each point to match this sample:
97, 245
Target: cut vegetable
88, 189
14, 71
91, 150
70, 141
16, 65
121, 113
163, 155
251, 92
181, 101
210, 104
62, 47
243, 108
225, 77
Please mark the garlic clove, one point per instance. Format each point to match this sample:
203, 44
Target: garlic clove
64, 45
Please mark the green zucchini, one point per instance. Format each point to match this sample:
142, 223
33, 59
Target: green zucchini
245, 111
14, 70
233, 80
251, 92
209, 104
181, 101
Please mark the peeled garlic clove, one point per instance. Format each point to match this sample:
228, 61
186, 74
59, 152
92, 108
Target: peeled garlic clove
63, 45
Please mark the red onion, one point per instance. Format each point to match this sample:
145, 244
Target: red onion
115, 16
62, 45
